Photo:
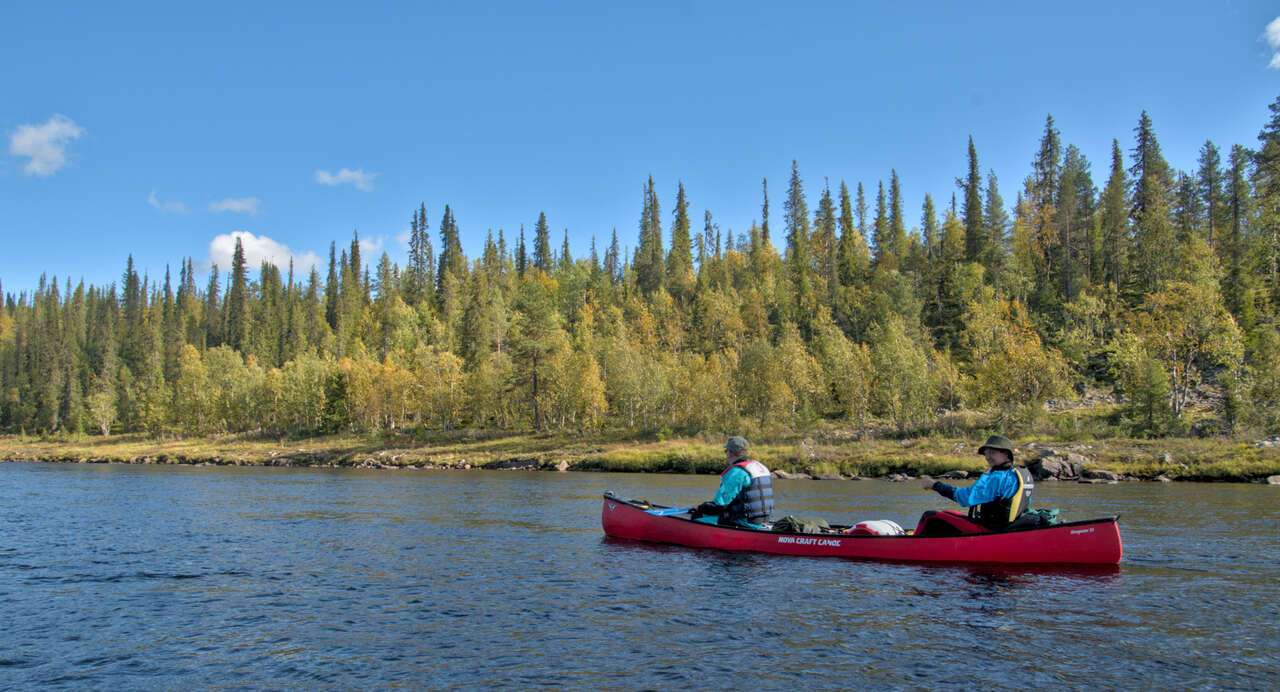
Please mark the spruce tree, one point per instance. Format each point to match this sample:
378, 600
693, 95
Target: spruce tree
679, 277
452, 261
1047, 167
1151, 210
881, 240
975, 236
648, 264
1239, 201
1114, 222
764, 212
897, 223
542, 244
237, 309
522, 255
1266, 185
824, 246
996, 222
1210, 186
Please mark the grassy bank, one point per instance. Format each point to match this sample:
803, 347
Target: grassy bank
1175, 458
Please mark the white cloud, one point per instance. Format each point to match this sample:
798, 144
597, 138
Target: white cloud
1272, 36
257, 249
403, 238
371, 247
243, 205
362, 180
45, 144
170, 205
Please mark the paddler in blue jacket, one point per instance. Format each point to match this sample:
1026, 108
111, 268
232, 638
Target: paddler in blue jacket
1000, 496
746, 490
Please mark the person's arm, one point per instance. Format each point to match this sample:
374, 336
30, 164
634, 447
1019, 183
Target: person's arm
989, 487
731, 485
733, 482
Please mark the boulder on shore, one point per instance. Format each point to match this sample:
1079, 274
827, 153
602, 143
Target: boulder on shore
1101, 474
788, 476
1273, 480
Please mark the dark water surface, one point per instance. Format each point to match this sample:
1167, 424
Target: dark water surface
132, 577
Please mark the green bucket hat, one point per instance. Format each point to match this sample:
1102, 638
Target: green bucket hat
737, 444
997, 442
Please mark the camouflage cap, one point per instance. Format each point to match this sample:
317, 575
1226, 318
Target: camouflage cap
737, 444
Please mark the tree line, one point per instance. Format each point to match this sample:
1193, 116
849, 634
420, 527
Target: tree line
1149, 288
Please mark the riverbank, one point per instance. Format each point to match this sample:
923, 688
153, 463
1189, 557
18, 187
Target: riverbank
810, 457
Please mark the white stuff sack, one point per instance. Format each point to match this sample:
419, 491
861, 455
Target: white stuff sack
877, 527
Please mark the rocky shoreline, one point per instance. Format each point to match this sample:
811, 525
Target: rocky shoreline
1051, 465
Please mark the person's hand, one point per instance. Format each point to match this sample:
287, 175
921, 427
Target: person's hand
926, 482
709, 509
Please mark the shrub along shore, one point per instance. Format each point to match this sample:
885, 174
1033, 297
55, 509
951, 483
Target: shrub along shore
830, 457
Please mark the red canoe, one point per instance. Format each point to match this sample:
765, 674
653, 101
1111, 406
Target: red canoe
1093, 541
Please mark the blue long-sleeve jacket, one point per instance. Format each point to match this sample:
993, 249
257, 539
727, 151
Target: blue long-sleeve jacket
992, 485
734, 481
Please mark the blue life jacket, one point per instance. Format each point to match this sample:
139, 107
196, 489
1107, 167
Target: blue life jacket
756, 500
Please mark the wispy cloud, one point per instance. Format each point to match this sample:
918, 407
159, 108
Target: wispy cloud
257, 249
170, 205
242, 205
1272, 36
362, 180
45, 145
403, 238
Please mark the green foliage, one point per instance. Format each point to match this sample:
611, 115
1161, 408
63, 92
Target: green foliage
985, 316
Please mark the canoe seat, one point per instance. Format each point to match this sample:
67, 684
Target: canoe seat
947, 523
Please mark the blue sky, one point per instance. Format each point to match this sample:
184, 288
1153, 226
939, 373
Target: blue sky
160, 129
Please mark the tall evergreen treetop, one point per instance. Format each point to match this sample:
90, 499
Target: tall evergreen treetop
975, 237
542, 244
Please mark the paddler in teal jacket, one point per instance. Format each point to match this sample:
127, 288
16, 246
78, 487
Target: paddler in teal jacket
746, 490
1000, 496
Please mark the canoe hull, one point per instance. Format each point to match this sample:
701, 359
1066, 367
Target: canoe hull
1093, 542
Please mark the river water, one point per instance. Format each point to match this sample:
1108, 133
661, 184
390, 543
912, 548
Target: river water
142, 577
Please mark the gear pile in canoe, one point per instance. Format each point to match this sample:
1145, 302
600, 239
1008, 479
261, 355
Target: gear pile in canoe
1091, 542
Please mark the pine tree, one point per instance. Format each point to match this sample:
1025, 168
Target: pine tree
853, 258
565, 260
522, 255
1151, 210
612, 260
764, 212
331, 289
237, 308
1114, 222
648, 264
679, 277
881, 240
1073, 218
420, 277
451, 259
975, 236
1239, 200
1266, 185
1209, 185
542, 244
897, 223
798, 251
1047, 167
823, 246
996, 222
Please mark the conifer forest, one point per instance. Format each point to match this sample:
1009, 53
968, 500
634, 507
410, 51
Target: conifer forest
1127, 287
